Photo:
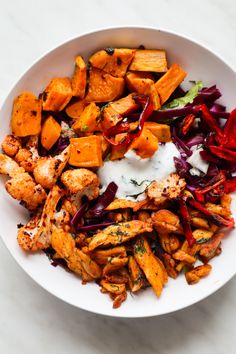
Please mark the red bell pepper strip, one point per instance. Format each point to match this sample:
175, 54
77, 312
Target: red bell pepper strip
122, 127
186, 221
230, 185
211, 122
117, 129
230, 131
213, 183
223, 153
212, 217
187, 123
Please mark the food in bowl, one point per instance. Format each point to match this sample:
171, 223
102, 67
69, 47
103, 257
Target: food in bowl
127, 178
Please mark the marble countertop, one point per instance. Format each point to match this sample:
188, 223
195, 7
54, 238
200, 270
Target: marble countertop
33, 321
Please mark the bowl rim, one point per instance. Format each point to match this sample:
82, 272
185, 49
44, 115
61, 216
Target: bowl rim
34, 63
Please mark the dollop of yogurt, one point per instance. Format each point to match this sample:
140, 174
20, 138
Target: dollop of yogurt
133, 174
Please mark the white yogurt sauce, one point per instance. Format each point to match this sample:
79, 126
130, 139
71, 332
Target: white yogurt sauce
133, 174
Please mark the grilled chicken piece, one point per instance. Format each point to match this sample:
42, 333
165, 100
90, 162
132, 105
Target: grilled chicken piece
119, 233
149, 264
79, 262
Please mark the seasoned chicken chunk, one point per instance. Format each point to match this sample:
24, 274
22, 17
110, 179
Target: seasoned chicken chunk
81, 182
116, 234
165, 221
149, 264
21, 185
169, 188
48, 169
79, 262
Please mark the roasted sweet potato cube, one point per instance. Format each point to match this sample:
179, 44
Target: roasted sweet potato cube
78, 81
146, 144
104, 87
149, 60
57, 94
139, 82
169, 82
88, 122
161, 131
86, 152
149, 264
143, 83
26, 115
105, 146
115, 111
50, 133
118, 152
155, 98
113, 61
74, 110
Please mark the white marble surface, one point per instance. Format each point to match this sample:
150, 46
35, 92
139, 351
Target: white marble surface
33, 321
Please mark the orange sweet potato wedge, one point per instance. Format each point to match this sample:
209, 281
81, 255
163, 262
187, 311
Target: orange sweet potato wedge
78, 81
57, 94
86, 151
50, 132
112, 61
104, 87
115, 111
143, 83
139, 82
161, 131
118, 152
153, 60
74, 109
166, 85
88, 122
146, 144
26, 115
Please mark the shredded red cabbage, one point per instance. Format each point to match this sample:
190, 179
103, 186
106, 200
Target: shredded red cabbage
80, 212
94, 227
172, 113
182, 166
207, 95
59, 146
181, 146
104, 200
195, 140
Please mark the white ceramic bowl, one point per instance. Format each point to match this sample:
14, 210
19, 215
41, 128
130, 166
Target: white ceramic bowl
200, 64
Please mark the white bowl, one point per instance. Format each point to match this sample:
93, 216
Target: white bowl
200, 64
